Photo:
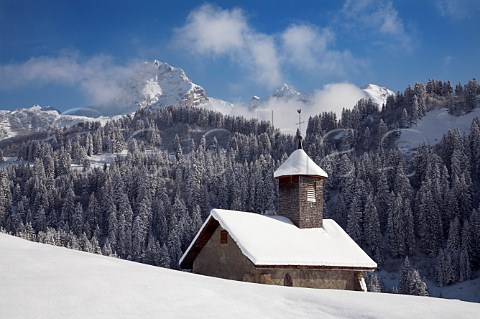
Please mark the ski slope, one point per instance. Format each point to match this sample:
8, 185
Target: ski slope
42, 281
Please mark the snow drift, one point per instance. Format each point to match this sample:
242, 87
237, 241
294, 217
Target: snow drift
42, 281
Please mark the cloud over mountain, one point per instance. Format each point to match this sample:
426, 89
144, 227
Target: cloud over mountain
212, 32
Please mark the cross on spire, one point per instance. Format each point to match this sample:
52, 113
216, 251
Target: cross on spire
299, 111
299, 137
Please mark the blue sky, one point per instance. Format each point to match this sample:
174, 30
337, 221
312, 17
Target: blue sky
74, 53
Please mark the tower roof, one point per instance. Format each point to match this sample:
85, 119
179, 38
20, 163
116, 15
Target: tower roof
299, 163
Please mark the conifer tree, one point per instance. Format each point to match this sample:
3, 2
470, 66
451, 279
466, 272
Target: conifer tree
77, 220
372, 228
418, 287
440, 268
405, 277
354, 220
430, 221
410, 281
395, 229
164, 257
374, 283
68, 209
475, 145
93, 212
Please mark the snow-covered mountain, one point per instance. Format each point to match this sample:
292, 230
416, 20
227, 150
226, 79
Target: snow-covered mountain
377, 94
283, 103
43, 281
36, 118
157, 83
289, 93
286, 93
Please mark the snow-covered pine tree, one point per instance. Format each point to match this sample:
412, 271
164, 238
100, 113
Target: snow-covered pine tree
410, 281
372, 233
417, 286
354, 220
77, 220
374, 283
474, 138
394, 228
164, 257
405, 279
465, 270
93, 215
430, 222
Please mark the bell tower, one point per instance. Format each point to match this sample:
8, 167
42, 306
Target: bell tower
301, 188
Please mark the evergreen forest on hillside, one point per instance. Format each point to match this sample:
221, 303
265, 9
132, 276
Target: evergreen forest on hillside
148, 203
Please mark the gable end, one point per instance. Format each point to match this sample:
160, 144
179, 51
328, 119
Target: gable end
199, 242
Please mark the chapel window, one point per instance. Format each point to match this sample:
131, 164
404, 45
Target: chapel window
223, 236
311, 192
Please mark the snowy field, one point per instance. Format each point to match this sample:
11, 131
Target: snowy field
42, 281
431, 128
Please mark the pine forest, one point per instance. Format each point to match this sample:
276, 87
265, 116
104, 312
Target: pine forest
414, 211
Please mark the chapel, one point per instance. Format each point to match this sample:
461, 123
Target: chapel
296, 247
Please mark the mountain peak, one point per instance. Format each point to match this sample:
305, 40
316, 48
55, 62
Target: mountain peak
158, 83
286, 91
378, 94
35, 107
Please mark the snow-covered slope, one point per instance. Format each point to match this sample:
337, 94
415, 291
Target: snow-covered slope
377, 94
218, 105
42, 281
37, 118
431, 128
287, 92
157, 83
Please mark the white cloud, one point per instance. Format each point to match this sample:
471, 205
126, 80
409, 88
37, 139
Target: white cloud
304, 44
457, 9
210, 30
336, 96
377, 18
97, 76
308, 48
331, 98
265, 64
61, 70
214, 32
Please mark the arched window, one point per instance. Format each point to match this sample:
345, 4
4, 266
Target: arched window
287, 281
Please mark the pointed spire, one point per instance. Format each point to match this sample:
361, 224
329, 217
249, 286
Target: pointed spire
298, 137
299, 140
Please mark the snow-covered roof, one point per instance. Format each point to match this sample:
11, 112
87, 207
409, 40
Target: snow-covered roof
299, 163
276, 241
